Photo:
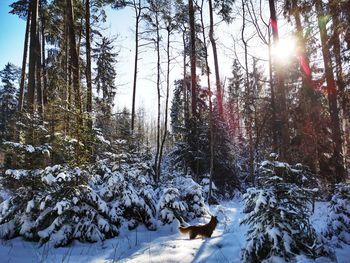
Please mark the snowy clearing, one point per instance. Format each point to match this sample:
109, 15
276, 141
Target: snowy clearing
163, 245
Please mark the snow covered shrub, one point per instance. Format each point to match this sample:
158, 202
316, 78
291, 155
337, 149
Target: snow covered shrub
21, 155
296, 174
278, 218
55, 204
192, 194
170, 205
338, 225
129, 193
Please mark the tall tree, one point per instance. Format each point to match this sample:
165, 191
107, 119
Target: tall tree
331, 93
282, 114
33, 54
74, 62
88, 63
216, 62
191, 14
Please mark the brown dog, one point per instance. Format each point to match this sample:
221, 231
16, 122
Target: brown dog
200, 230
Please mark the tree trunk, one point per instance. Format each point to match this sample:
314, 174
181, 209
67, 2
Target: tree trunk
74, 61
88, 64
211, 124
166, 99
43, 59
39, 89
193, 59
281, 105
249, 94
34, 9
137, 9
157, 157
332, 95
335, 10
216, 62
24, 63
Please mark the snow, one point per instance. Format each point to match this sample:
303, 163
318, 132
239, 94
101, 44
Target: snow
164, 245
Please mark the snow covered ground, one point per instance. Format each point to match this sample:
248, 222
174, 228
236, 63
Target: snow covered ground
163, 245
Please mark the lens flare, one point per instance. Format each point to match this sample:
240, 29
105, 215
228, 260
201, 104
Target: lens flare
284, 50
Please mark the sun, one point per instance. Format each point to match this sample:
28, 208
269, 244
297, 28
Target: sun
284, 50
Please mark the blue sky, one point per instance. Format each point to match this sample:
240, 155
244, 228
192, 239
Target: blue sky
121, 22
12, 31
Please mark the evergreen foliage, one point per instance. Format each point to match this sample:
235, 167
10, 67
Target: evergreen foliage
8, 100
338, 226
278, 217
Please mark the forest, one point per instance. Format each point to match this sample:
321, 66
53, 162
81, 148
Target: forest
238, 109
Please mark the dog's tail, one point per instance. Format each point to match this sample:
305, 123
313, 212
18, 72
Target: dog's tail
184, 230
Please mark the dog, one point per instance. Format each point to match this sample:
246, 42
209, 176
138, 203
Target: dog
200, 230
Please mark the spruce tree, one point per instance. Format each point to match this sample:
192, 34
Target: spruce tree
8, 100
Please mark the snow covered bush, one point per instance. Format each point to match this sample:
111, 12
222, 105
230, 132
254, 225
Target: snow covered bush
278, 218
129, 192
55, 204
170, 205
338, 223
60, 204
193, 195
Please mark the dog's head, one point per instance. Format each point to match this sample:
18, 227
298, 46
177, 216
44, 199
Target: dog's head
214, 219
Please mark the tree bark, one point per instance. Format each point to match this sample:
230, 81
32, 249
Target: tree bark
281, 114
211, 124
88, 64
24, 63
39, 90
193, 59
34, 9
249, 94
157, 157
166, 99
137, 9
216, 62
332, 95
43, 64
74, 61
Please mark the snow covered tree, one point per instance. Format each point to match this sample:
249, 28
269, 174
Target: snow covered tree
104, 80
55, 204
8, 100
278, 218
338, 226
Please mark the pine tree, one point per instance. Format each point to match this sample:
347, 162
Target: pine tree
278, 216
104, 81
8, 100
338, 222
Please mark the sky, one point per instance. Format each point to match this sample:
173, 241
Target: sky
120, 24
11, 36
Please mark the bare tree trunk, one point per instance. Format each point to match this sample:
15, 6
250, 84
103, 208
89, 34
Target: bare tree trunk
24, 63
249, 91
273, 102
211, 124
166, 99
34, 9
216, 62
185, 89
88, 64
74, 63
193, 59
282, 114
157, 157
332, 96
67, 74
137, 9
334, 8
39, 90
43, 59
74, 60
